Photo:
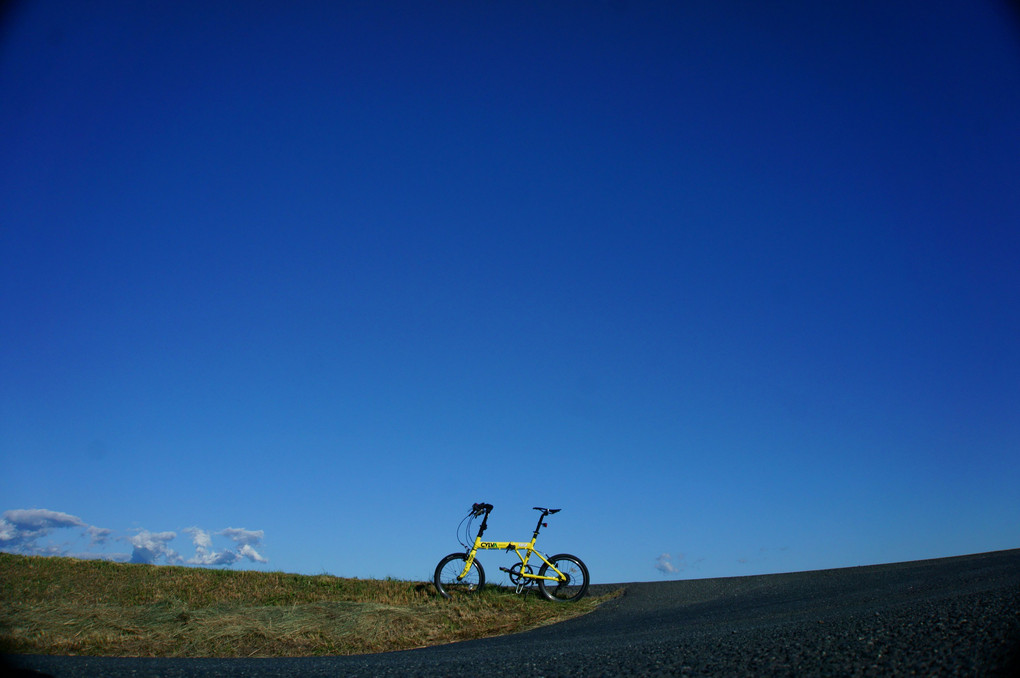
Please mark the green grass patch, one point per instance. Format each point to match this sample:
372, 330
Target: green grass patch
66, 606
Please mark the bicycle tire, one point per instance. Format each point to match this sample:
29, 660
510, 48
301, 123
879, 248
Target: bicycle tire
576, 584
447, 572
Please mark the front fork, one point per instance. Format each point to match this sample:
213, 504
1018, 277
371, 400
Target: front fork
468, 562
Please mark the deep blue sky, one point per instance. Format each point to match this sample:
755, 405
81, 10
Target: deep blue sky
736, 286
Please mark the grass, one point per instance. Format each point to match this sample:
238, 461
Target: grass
66, 606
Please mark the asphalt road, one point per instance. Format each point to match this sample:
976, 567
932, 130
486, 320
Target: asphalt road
952, 616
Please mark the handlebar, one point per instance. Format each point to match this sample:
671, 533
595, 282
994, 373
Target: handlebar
479, 508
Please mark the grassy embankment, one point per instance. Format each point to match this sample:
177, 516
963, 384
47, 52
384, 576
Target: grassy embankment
67, 606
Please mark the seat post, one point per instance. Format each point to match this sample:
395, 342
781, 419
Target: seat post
540, 519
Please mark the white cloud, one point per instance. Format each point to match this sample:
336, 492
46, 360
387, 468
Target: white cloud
22, 529
206, 555
28, 532
41, 519
98, 535
242, 536
664, 563
251, 554
149, 547
200, 538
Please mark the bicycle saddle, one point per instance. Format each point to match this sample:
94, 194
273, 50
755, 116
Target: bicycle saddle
549, 511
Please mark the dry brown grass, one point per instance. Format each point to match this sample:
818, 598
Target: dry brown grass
68, 606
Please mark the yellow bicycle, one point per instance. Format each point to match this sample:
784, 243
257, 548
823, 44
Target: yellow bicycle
562, 577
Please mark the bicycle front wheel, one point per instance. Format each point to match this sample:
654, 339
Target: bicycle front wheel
448, 581
571, 586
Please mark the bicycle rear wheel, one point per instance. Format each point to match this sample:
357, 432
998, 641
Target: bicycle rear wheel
448, 581
574, 584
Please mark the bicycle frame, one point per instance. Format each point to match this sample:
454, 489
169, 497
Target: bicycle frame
523, 549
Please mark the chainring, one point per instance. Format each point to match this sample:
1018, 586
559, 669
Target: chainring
515, 575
